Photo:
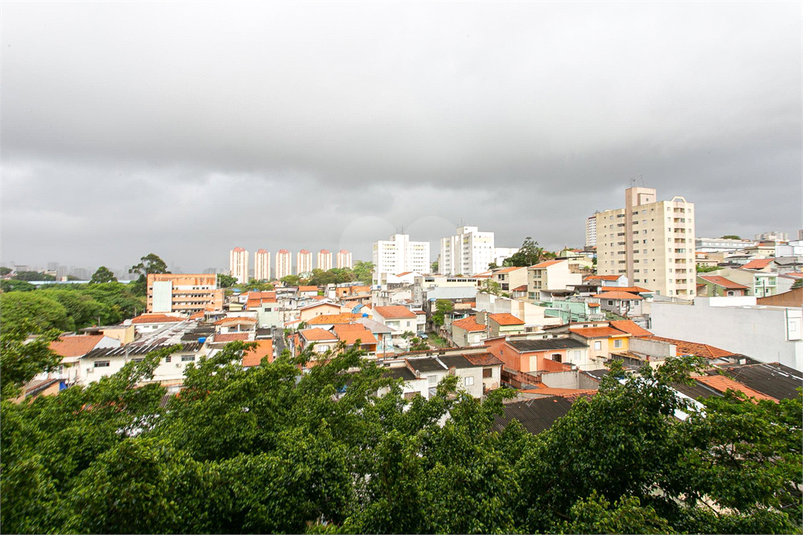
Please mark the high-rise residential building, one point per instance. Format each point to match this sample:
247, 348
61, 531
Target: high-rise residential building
183, 293
467, 253
262, 265
591, 231
303, 263
344, 259
773, 236
398, 255
651, 242
238, 265
324, 260
284, 264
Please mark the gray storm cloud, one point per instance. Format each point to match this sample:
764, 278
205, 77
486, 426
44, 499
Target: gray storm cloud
190, 128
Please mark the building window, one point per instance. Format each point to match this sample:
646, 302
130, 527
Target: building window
487, 373
617, 344
187, 358
557, 357
101, 364
468, 381
597, 346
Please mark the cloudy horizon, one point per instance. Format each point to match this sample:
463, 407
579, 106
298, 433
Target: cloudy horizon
188, 129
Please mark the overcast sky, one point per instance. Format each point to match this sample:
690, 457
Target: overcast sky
189, 128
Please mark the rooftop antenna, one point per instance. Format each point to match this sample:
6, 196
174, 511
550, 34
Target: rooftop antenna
641, 176
632, 182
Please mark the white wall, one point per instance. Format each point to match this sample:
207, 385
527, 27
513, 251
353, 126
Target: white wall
767, 334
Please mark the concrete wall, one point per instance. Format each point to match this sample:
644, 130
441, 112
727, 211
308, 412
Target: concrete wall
767, 334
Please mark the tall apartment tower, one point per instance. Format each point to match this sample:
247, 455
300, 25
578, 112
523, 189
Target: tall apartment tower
304, 262
651, 242
398, 254
591, 231
284, 264
324, 260
467, 253
262, 265
238, 265
344, 259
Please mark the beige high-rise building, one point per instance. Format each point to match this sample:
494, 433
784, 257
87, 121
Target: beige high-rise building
344, 259
238, 265
284, 264
183, 293
303, 263
324, 260
651, 242
262, 265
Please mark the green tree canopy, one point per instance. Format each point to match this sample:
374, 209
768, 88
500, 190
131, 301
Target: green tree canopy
442, 307
33, 276
226, 281
731, 237
363, 271
528, 254
103, 274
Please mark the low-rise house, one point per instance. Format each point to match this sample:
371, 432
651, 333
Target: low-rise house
509, 278
103, 362
552, 278
351, 333
759, 283
322, 339
72, 349
318, 309
236, 324
307, 291
620, 302
327, 321
491, 369
147, 323
467, 332
535, 415
538, 354
253, 357
503, 324
717, 286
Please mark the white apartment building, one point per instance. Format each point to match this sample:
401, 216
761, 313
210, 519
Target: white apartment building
344, 259
467, 253
262, 265
719, 245
238, 265
284, 264
651, 242
303, 262
398, 254
591, 231
324, 260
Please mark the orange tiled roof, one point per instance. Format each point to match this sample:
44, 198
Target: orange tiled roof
570, 393
263, 349
598, 332
394, 312
76, 346
198, 315
351, 333
693, 348
759, 263
593, 305
506, 319
629, 289
722, 383
546, 264
333, 319
629, 327
155, 318
468, 324
231, 337
722, 281
318, 335
602, 277
522, 288
236, 319
506, 270
483, 359
618, 295
307, 288
403, 274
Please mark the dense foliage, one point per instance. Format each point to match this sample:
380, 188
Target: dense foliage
269, 450
68, 307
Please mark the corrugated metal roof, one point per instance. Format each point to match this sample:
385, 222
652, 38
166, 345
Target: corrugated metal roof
536, 415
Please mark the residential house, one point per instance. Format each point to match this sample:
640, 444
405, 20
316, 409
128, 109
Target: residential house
510, 278
537, 354
253, 357
717, 286
351, 333
318, 309
467, 332
503, 324
620, 302
760, 283
400, 319
552, 278
147, 323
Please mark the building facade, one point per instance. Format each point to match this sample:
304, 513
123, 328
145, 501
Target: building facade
398, 254
304, 262
651, 242
183, 293
238, 265
591, 231
284, 264
262, 265
467, 253
344, 260
324, 260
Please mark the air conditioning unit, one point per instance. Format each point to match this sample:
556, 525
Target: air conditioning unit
178, 365
90, 370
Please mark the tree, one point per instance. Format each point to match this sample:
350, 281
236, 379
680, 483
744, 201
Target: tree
226, 281
16, 286
442, 307
21, 359
706, 269
5, 271
731, 237
33, 276
433, 267
363, 271
418, 344
147, 265
36, 308
528, 254
103, 274
291, 280
490, 286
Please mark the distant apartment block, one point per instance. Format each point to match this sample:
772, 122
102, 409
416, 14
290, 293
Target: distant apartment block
344, 260
238, 265
467, 253
304, 262
772, 236
324, 260
591, 231
651, 242
183, 293
720, 245
262, 265
284, 264
398, 254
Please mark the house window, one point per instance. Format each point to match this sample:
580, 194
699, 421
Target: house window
487, 373
101, 364
617, 343
410, 395
168, 358
597, 345
610, 302
557, 357
468, 381
187, 358
432, 379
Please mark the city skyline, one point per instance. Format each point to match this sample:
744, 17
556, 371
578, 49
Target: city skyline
523, 119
